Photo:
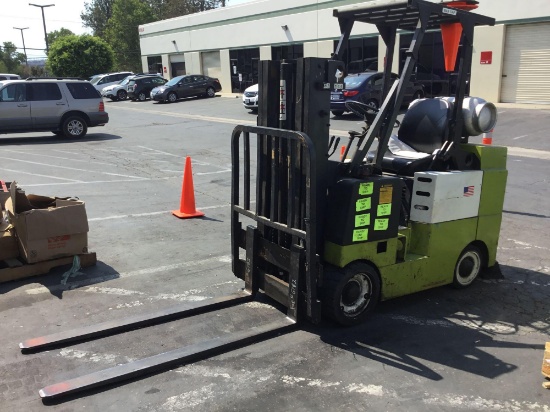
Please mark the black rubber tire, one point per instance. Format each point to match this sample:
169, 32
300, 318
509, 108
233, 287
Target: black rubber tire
337, 112
113, 99
142, 96
210, 92
74, 127
121, 95
372, 103
172, 97
468, 266
350, 294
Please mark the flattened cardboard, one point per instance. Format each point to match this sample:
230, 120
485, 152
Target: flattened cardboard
47, 227
4, 196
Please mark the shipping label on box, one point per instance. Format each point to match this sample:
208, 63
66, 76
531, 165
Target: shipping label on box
48, 228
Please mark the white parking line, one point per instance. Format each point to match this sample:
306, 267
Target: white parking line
520, 137
39, 175
70, 168
78, 182
212, 173
98, 219
58, 157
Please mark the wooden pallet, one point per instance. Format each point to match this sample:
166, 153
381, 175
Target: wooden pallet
16, 269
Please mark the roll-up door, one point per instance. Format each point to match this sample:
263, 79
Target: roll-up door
211, 65
526, 68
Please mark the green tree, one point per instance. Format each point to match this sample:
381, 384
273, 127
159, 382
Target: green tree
96, 14
10, 58
56, 34
80, 56
122, 32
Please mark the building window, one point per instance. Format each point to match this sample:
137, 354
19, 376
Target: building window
361, 55
244, 68
154, 64
293, 51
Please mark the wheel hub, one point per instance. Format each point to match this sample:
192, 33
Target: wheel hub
351, 293
356, 295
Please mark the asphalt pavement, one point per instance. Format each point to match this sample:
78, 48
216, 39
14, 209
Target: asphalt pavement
438, 350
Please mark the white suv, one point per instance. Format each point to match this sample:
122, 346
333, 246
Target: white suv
66, 107
107, 79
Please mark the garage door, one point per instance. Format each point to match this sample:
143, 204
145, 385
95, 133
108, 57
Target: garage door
526, 69
211, 65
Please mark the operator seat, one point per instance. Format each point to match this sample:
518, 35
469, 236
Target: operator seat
423, 131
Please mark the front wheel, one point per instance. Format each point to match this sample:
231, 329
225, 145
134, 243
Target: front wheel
351, 293
172, 97
337, 112
122, 95
210, 92
74, 126
468, 267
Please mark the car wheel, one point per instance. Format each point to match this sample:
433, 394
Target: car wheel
210, 92
74, 126
142, 96
351, 293
113, 99
468, 266
372, 103
122, 95
337, 112
172, 97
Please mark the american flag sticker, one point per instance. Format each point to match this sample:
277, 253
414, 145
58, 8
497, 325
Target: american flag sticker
468, 191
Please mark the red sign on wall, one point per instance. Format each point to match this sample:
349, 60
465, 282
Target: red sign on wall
486, 57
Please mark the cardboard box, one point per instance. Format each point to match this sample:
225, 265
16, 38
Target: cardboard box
8, 244
4, 194
546, 361
47, 227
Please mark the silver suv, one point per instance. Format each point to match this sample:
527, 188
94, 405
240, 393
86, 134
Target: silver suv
66, 107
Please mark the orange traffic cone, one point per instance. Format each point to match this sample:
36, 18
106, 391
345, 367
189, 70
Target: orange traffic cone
342, 151
187, 203
451, 33
487, 138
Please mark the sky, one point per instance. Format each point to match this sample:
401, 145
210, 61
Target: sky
65, 13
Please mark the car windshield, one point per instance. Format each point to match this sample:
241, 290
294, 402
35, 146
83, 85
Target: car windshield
95, 80
174, 81
125, 81
353, 82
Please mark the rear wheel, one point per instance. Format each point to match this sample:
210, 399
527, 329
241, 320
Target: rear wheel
122, 95
351, 293
142, 96
337, 112
468, 267
74, 126
210, 92
172, 97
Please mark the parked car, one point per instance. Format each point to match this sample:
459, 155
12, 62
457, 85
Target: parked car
139, 87
250, 98
103, 80
119, 91
186, 86
367, 88
9, 76
65, 107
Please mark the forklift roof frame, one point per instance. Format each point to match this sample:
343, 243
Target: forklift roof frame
420, 16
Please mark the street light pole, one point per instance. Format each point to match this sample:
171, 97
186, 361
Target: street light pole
44, 22
23, 38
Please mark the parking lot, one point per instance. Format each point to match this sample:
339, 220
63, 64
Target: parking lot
439, 350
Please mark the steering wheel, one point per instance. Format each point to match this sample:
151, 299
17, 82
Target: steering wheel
362, 110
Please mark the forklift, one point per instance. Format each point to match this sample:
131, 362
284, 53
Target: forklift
397, 214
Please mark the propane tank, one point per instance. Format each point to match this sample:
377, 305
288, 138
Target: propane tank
480, 116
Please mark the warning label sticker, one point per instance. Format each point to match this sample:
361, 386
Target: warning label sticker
366, 188
362, 220
363, 204
381, 224
360, 235
384, 210
386, 193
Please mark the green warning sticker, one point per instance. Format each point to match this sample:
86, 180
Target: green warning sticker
381, 224
384, 210
366, 188
362, 220
362, 204
360, 235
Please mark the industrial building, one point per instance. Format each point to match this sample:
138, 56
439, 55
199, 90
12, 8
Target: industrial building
511, 61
